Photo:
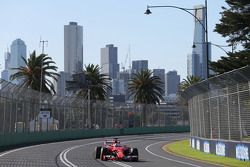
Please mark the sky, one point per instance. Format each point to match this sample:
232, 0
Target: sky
164, 38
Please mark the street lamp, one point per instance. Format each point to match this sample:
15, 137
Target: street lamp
218, 46
203, 26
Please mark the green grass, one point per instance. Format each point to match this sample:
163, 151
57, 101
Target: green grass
182, 148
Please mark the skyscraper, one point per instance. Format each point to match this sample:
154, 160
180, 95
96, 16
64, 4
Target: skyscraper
5, 72
109, 63
17, 51
172, 82
200, 48
73, 48
193, 65
161, 74
139, 65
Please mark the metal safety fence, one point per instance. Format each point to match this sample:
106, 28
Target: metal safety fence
26, 110
219, 108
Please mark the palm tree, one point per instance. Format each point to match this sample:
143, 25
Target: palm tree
30, 74
191, 80
145, 88
97, 83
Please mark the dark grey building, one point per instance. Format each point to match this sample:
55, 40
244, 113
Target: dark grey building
172, 82
139, 65
117, 87
125, 76
161, 74
109, 60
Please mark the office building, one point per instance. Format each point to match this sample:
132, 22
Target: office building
73, 48
109, 65
5, 72
17, 53
172, 82
118, 87
139, 65
161, 74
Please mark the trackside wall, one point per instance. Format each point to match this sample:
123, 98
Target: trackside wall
22, 139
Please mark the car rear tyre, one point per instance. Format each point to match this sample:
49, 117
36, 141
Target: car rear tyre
98, 152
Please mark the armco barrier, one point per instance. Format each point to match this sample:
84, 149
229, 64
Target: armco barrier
23, 139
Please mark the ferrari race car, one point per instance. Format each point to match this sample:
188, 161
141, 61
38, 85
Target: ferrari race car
113, 150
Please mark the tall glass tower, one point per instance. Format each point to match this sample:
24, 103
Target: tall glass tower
200, 48
193, 65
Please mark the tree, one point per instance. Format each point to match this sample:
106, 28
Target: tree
234, 24
145, 88
30, 74
97, 83
191, 80
231, 62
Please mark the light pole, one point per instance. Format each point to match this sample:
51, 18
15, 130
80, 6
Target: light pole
41, 78
203, 26
89, 117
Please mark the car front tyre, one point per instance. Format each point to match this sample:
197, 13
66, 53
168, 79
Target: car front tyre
98, 152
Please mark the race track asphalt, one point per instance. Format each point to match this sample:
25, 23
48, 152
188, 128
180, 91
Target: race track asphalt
80, 153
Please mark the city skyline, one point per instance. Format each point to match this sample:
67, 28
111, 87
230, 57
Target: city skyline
157, 38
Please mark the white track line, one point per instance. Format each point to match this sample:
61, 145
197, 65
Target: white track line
170, 159
8, 152
63, 154
121, 164
65, 161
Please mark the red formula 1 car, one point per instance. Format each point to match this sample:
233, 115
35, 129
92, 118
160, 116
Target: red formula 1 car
113, 150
